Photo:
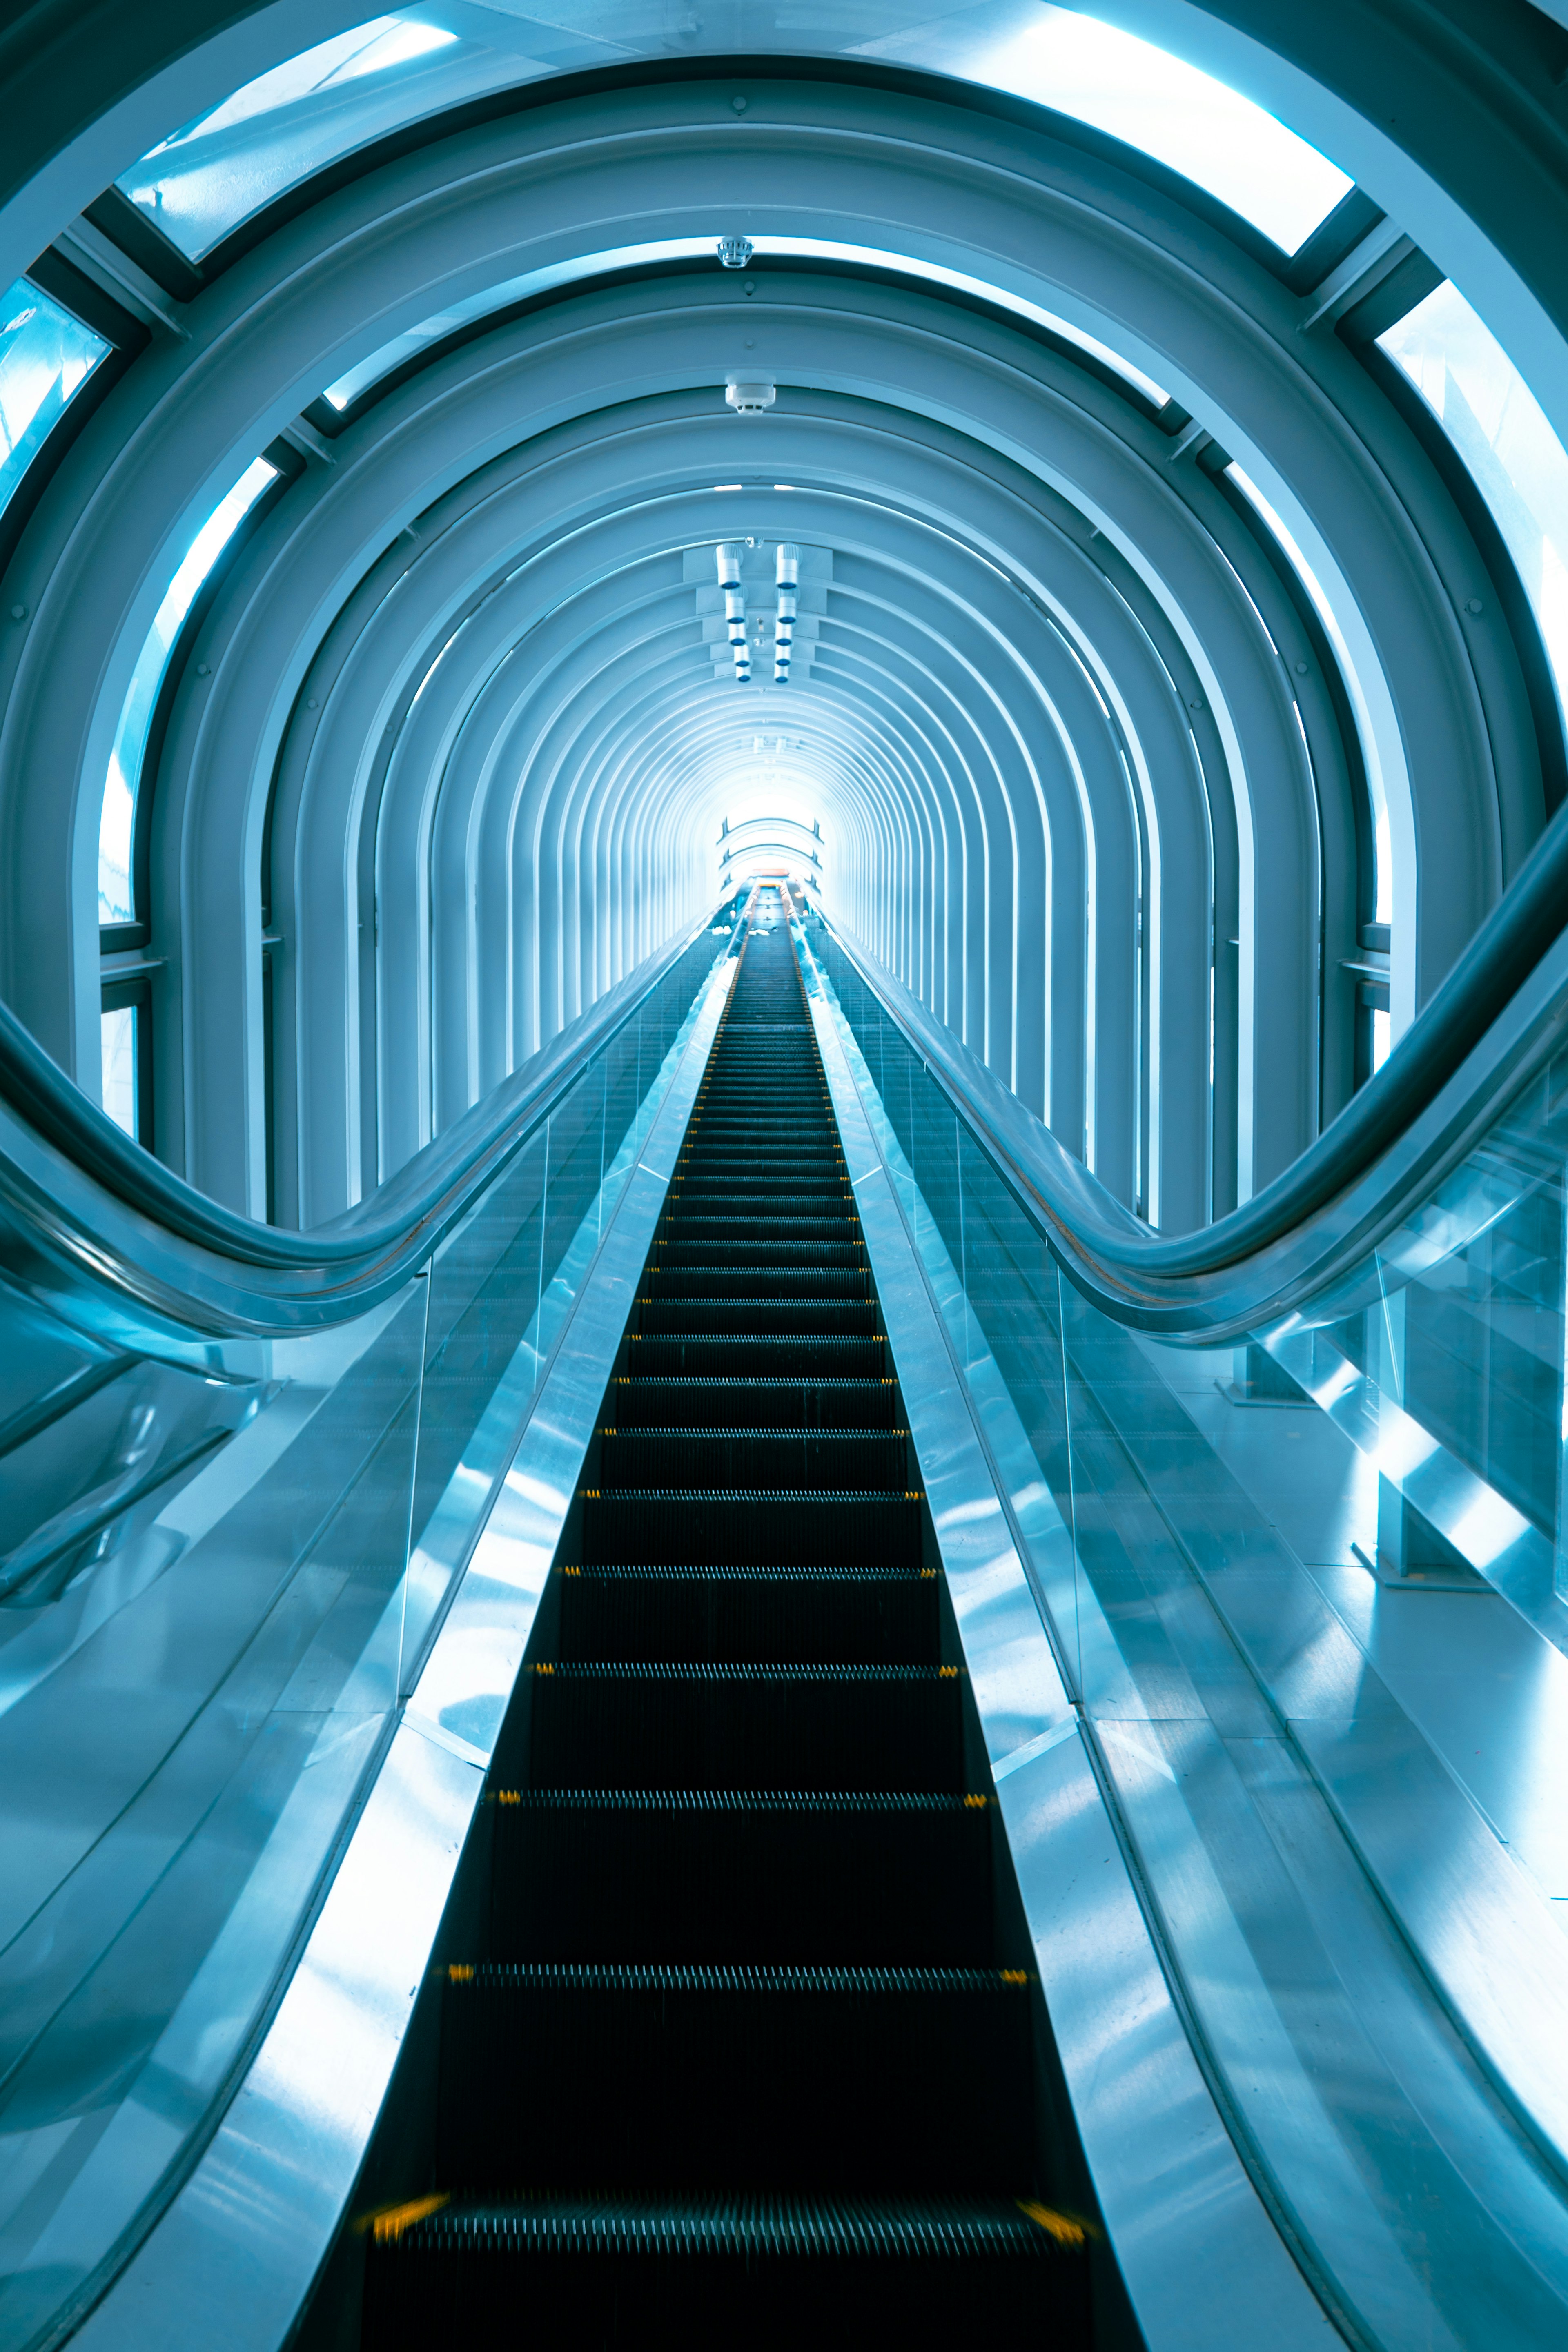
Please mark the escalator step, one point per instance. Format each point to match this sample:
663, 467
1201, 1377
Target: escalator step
732, 1614
734, 2077
670, 1725
757, 1284
839, 1317
762, 1403
615, 2277
810, 1459
808, 1878
764, 1524
694, 1228
808, 1353
724, 1257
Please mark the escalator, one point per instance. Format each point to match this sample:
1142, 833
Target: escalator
753, 2053
489, 1852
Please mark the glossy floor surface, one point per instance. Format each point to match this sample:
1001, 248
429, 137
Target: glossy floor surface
753, 2053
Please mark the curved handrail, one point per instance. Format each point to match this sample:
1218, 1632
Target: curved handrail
117, 1242
1487, 1028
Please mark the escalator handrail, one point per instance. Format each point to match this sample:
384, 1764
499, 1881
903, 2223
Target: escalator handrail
88, 1215
1484, 1031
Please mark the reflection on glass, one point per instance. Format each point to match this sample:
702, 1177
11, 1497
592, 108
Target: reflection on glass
46, 357
119, 1067
209, 176
1383, 853
116, 892
1511, 453
1186, 118
1382, 1037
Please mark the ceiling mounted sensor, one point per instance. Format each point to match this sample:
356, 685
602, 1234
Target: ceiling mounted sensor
749, 395
734, 252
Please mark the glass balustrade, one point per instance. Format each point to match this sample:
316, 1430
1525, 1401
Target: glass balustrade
1308, 1594
222, 1576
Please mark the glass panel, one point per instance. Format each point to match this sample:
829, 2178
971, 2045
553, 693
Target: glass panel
1500, 431
1382, 860
120, 1090
214, 173
218, 171
117, 822
1314, 1622
503, 1282
1183, 118
169, 1833
46, 357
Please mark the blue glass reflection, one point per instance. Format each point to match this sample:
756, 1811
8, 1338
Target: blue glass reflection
216, 172
1501, 432
116, 888
1183, 118
46, 357
205, 179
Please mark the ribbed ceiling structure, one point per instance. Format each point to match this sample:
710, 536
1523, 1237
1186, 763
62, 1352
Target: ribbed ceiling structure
1112, 660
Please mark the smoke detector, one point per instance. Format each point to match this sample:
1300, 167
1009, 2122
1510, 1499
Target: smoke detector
734, 252
749, 396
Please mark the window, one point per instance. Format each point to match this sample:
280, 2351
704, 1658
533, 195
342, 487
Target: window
202, 181
46, 357
128, 1057
1183, 118
205, 179
1500, 435
117, 825
1382, 892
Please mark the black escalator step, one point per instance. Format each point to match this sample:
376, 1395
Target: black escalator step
835, 1229
829, 1615
808, 1460
643, 1523
661, 1315
666, 2279
779, 1353
735, 2077
669, 2276
756, 1283
654, 1726
728, 1255
773, 1183
810, 1878
763, 1403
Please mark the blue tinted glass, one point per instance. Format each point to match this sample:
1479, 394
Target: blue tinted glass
46, 357
116, 892
206, 178
1186, 118
1500, 430
217, 172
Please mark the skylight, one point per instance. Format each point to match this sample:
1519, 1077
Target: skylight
46, 357
116, 888
204, 179
1501, 434
1183, 118
218, 171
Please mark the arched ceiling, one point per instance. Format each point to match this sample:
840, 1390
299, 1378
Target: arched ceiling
1096, 753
